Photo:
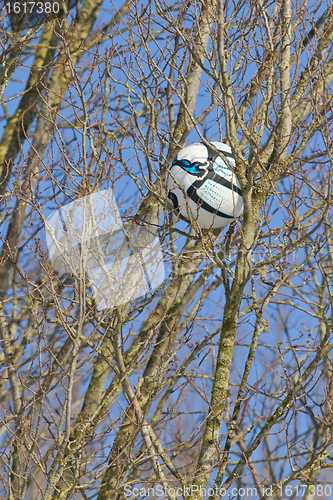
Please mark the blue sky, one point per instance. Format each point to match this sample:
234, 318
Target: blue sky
298, 329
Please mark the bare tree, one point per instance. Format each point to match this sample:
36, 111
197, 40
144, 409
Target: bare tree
217, 381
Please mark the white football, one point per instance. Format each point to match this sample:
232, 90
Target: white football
199, 180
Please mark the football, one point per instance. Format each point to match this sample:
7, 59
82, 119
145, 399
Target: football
201, 181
